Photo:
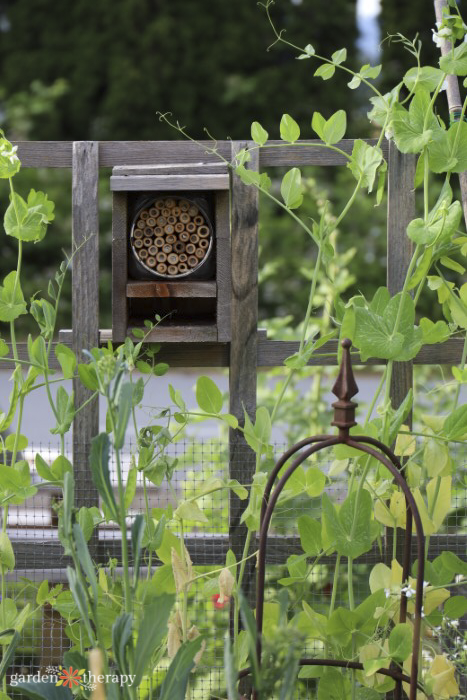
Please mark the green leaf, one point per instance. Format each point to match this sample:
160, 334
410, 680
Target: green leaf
230, 673
7, 556
292, 188
121, 639
9, 161
317, 124
325, 71
315, 481
455, 425
455, 607
65, 408
79, 597
130, 488
339, 56
411, 131
190, 510
426, 77
290, 131
67, 360
125, 400
99, 463
350, 530
455, 63
400, 642
88, 377
365, 162
161, 368
175, 682
373, 337
11, 439
452, 264
12, 304
310, 535
355, 82
333, 685
453, 564
448, 151
341, 625
85, 559
208, 395
152, 631
423, 267
434, 332
335, 127
258, 134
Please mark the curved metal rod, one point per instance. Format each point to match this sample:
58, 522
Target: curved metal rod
390, 464
393, 465
264, 526
280, 463
336, 663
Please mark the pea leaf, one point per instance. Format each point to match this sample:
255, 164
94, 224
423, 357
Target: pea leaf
365, 162
290, 131
12, 304
310, 535
325, 71
455, 607
292, 188
455, 63
208, 395
339, 56
455, 425
400, 642
411, 134
426, 77
258, 134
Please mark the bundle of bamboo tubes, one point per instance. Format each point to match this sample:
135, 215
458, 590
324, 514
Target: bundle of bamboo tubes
171, 236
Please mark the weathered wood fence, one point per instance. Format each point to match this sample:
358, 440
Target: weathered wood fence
247, 350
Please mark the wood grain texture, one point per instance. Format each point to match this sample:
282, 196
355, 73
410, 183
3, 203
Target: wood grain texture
119, 265
171, 169
243, 347
85, 306
181, 290
58, 154
188, 333
223, 267
168, 183
271, 353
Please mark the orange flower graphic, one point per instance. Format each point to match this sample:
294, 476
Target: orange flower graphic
69, 677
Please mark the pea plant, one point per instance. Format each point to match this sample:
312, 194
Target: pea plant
388, 329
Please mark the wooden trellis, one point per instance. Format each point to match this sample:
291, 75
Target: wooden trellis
248, 349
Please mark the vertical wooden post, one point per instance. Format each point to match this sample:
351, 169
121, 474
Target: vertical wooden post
401, 210
85, 306
243, 346
119, 266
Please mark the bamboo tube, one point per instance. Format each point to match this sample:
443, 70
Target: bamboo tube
184, 217
170, 203
161, 221
171, 239
172, 220
154, 212
183, 257
190, 249
162, 268
151, 262
193, 211
182, 267
165, 212
159, 203
151, 222
203, 231
204, 243
143, 253
147, 242
161, 257
148, 231
166, 248
138, 243
200, 253
137, 233
193, 261
179, 247
179, 227
169, 230
184, 204
194, 238
172, 270
184, 237
172, 258
144, 215
140, 223
152, 250
176, 211
198, 220
159, 242
191, 227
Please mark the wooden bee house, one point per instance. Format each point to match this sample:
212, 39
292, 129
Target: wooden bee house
171, 252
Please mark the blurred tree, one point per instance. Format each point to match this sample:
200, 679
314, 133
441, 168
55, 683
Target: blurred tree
204, 60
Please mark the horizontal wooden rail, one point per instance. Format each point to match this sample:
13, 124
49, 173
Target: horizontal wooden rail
189, 290
271, 353
205, 550
58, 154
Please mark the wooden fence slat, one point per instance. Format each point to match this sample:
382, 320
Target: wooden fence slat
119, 265
401, 210
58, 154
243, 347
85, 306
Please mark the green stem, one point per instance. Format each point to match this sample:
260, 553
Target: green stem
461, 367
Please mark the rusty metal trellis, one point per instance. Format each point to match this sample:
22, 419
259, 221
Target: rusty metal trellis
344, 419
